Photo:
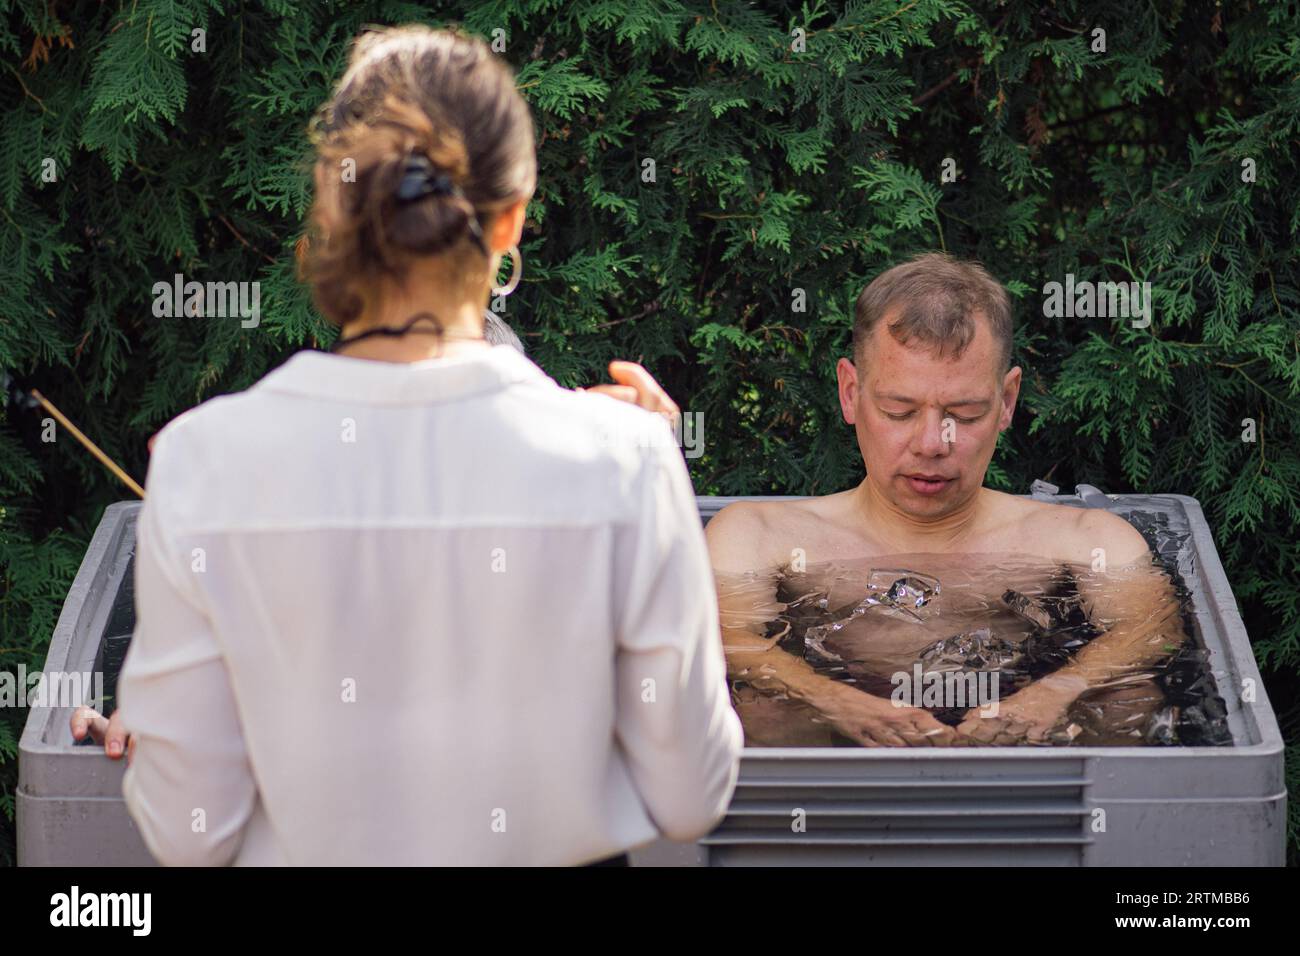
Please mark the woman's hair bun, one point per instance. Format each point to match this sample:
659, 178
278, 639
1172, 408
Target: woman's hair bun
424, 140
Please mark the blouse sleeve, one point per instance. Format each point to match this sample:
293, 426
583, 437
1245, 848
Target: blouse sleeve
674, 719
189, 788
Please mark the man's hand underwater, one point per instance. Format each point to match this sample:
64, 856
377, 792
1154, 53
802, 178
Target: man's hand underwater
875, 722
1026, 717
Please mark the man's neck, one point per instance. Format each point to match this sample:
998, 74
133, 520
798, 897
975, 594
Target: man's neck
903, 533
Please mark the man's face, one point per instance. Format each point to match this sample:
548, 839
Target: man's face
927, 426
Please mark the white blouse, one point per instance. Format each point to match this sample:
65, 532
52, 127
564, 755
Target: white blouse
434, 613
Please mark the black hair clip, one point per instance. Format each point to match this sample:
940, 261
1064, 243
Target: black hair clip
420, 178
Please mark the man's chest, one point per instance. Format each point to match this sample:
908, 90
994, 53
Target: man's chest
894, 608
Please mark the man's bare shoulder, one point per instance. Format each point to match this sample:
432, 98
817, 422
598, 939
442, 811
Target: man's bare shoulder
1120, 543
739, 534
754, 535
1070, 534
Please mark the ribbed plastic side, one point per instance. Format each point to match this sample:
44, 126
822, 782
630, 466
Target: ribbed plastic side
838, 808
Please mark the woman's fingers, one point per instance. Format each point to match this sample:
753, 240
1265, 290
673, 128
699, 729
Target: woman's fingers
87, 720
624, 393
638, 387
649, 393
115, 738
103, 730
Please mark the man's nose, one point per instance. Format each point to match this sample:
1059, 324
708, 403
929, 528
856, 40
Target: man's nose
931, 439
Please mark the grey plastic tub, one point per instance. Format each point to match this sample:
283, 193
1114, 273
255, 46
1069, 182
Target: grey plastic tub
1202, 806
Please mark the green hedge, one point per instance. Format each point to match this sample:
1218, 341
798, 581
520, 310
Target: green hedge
777, 168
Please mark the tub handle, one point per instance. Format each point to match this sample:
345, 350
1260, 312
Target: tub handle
1043, 489
1093, 497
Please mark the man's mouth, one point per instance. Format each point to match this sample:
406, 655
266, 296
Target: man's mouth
928, 484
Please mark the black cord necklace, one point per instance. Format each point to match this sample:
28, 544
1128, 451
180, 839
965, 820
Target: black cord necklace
437, 330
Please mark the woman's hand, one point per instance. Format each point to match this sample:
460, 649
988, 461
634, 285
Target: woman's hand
108, 731
637, 386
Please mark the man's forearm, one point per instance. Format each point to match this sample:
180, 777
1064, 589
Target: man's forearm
1124, 649
772, 668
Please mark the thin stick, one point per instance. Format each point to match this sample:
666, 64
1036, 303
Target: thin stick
90, 445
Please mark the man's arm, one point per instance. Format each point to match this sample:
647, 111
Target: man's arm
1133, 600
738, 541
747, 603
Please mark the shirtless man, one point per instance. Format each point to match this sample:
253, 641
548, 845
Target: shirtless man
928, 390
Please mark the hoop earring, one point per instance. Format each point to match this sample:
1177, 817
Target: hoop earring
516, 273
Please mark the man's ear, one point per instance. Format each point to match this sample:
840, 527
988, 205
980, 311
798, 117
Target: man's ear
847, 374
1010, 392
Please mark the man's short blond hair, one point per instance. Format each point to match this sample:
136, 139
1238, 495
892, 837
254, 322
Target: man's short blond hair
937, 297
